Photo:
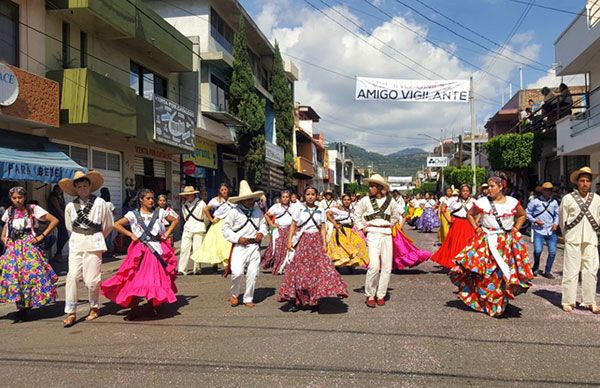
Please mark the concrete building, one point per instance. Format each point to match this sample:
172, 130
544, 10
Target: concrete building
211, 26
577, 51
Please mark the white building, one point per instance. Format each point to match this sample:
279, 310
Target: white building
577, 51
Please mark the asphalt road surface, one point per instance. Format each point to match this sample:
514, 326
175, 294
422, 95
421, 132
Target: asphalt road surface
423, 337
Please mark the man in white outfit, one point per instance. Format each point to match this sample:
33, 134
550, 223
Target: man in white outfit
244, 226
375, 215
194, 228
580, 222
89, 220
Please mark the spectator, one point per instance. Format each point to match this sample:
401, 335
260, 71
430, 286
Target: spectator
565, 101
105, 195
550, 102
56, 207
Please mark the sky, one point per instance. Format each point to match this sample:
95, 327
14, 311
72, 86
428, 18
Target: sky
333, 41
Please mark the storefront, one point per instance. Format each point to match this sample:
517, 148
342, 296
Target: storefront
200, 167
273, 175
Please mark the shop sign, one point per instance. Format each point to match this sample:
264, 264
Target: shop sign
9, 86
205, 154
173, 124
274, 154
32, 172
437, 161
190, 169
153, 153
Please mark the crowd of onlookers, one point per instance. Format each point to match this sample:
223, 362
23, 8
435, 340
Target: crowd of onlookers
553, 107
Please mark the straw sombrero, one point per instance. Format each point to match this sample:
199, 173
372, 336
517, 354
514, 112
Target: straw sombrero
583, 170
378, 179
189, 190
67, 185
548, 186
245, 193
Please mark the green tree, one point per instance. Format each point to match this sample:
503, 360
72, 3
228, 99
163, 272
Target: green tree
249, 108
355, 188
283, 104
457, 176
514, 152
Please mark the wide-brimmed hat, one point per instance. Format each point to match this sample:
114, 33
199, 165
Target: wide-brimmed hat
246, 193
189, 190
583, 170
68, 186
547, 186
378, 179
485, 186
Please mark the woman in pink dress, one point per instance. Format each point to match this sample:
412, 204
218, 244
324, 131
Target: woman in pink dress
406, 254
150, 268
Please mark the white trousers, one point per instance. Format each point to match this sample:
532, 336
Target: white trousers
584, 258
190, 242
86, 266
244, 257
380, 264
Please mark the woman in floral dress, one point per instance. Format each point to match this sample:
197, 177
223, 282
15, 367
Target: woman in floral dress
311, 275
27, 278
429, 219
494, 267
279, 218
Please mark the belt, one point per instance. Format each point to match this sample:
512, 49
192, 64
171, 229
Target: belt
87, 232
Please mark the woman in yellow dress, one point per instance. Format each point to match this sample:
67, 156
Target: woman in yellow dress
345, 247
215, 249
444, 203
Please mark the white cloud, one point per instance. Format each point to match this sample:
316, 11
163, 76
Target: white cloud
386, 127
552, 81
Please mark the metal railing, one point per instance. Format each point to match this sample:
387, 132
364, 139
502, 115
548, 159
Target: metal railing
593, 12
545, 116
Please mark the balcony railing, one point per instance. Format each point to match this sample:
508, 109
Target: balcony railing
593, 12
216, 35
304, 167
545, 117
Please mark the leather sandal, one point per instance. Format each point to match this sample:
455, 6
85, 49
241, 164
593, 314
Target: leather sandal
595, 309
249, 305
69, 320
92, 315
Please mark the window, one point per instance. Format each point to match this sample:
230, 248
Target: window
83, 49
106, 161
9, 31
78, 154
145, 82
218, 94
220, 31
66, 45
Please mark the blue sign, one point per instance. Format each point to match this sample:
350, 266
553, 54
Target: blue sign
33, 172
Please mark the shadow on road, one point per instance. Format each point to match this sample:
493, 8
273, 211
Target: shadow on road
408, 272
167, 310
54, 310
332, 306
551, 296
262, 294
510, 312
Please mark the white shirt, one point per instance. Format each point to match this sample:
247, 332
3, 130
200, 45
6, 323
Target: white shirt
302, 214
428, 203
458, 204
21, 220
221, 207
282, 214
447, 200
506, 212
326, 205
157, 229
401, 203
583, 231
236, 219
378, 225
99, 214
341, 216
194, 225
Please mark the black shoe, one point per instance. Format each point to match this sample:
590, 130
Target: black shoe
535, 271
21, 316
548, 275
293, 308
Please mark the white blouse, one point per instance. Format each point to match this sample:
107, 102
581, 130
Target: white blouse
464, 207
302, 214
283, 217
24, 221
341, 216
221, 207
506, 212
157, 229
428, 203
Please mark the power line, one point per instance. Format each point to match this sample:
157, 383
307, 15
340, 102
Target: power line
478, 34
465, 37
547, 7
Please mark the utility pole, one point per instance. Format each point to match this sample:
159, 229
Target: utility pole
460, 150
521, 76
473, 125
343, 169
442, 155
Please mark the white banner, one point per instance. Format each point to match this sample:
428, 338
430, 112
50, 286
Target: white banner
437, 161
382, 89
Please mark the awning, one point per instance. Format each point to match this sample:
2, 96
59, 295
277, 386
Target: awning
33, 158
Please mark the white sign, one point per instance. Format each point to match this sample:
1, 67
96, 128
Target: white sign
9, 86
437, 161
382, 89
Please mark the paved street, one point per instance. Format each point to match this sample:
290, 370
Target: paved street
423, 337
